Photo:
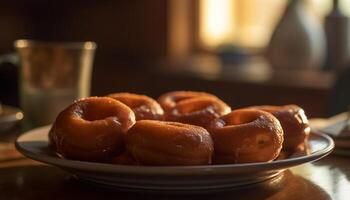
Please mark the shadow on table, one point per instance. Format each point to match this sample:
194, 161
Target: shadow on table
46, 182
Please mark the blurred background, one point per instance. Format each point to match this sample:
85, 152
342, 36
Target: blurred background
247, 52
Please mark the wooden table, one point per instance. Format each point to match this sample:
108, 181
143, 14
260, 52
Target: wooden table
328, 178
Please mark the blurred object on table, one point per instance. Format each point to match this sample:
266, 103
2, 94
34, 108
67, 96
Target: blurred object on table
337, 27
332, 125
9, 117
52, 76
232, 55
298, 40
338, 127
340, 93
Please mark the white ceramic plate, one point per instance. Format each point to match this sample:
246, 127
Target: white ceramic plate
34, 144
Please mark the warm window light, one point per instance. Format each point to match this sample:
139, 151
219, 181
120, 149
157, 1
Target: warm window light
244, 23
248, 23
217, 21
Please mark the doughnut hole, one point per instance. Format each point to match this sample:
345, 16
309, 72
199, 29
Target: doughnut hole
198, 111
95, 111
169, 100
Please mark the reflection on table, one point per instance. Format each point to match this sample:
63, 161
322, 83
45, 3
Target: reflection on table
324, 179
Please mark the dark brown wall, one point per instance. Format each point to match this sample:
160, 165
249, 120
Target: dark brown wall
123, 29
130, 34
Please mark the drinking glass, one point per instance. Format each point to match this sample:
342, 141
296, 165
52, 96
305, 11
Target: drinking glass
52, 75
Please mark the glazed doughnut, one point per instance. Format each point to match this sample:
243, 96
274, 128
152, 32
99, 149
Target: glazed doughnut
143, 106
169, 100
92, 129
245, 136
198, 111
294, 123
153, 142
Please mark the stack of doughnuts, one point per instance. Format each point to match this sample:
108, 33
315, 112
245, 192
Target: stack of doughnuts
179, 128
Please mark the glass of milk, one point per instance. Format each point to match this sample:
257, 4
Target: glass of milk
52, 76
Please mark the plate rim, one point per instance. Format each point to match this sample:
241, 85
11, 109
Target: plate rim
172, 170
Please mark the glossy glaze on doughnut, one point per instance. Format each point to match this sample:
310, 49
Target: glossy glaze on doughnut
294, 123
198, 111
92, 129
245, 136
143, 106
153, 142
169, 100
